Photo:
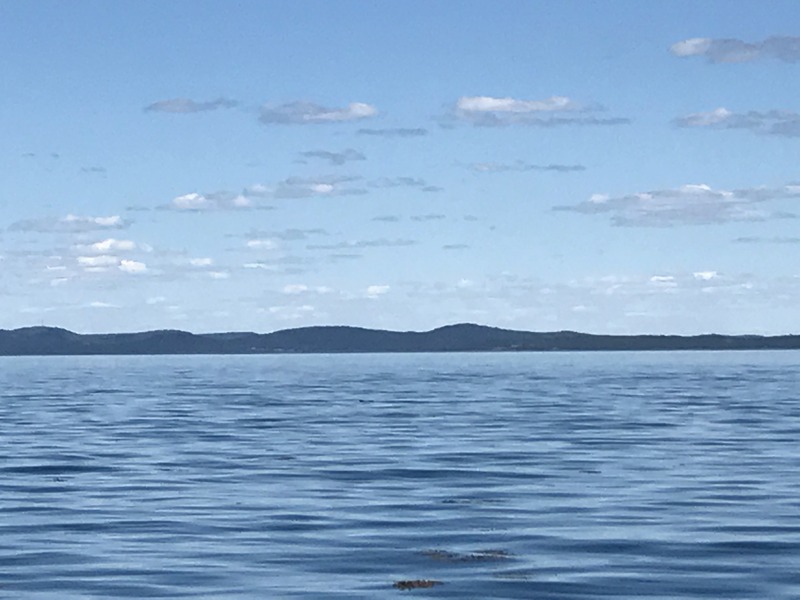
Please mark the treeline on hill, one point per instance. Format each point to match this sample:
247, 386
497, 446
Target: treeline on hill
339, 339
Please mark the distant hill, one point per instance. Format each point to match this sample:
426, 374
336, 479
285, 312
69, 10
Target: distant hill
463, 337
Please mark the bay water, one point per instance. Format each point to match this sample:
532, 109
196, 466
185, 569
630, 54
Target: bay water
531, 476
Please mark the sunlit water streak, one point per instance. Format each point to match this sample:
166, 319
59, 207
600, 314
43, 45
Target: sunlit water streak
546, 476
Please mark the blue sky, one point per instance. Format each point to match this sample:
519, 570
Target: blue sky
609, 167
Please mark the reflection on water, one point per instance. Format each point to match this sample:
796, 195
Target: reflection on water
547, 476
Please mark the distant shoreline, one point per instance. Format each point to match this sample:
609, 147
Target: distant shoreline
54, 341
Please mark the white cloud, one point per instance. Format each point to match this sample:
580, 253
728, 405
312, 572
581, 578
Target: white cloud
300, 288
784, 123
374, 291
553, 111
201, 262
112, 221
252, 197
71, 224
132, 266
522, 166
192, 201
97, 304
156, 300
663, 280
112, 245
296, 288
693, 204
241, 201
307, 187
704, 119
691, 47
304, 113
262, 244
219, 274
705, 275
731, 50
195, 201
104, 260
490, 104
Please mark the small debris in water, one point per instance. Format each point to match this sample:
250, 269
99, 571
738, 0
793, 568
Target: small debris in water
412, 584
447, 556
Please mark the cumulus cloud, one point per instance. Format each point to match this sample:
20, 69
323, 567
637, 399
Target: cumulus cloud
687, 205
186, 106
665, 280
253, 197
111, 245
731, 50
70, 224
262, 244
335, 158
705, 275
132, 266
308, 187
512, 105
194, 201
522, 166
305, 113
104, 260
394, 132
489, 111
772, 122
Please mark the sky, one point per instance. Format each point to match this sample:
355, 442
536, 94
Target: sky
613, 167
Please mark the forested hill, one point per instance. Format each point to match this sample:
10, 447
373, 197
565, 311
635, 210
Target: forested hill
338, 339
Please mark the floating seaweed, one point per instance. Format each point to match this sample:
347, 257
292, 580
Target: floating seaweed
412, 584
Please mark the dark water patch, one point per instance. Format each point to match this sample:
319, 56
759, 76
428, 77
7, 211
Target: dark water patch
57, 469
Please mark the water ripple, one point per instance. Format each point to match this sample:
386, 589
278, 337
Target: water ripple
547, 476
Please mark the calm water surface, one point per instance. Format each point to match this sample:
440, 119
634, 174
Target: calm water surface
531, 476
